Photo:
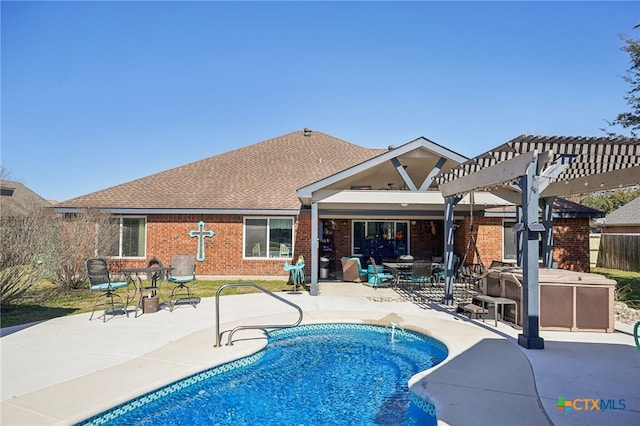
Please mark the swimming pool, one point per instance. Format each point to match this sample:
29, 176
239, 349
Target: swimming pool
324, 374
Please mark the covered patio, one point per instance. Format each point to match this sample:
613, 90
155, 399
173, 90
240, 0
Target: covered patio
436, 184
395, 189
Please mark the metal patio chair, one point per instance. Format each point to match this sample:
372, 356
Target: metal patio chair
100, 280
421, 272
183, 272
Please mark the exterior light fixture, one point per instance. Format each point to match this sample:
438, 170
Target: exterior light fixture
533, 227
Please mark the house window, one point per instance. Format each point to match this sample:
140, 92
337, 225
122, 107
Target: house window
131, 240
380, 239
510, 242
268, 237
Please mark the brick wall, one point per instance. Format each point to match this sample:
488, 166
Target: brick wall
427, 239
169, 234
342, 240
488, 236
571, 244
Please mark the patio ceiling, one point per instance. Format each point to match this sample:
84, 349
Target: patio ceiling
593, 164
408, 202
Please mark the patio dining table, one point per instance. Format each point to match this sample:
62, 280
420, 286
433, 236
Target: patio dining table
401, 271
154, 274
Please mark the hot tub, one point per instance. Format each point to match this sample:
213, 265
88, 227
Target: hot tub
569, 300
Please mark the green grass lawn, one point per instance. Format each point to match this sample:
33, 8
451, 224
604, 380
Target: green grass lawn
45, 301
628, 288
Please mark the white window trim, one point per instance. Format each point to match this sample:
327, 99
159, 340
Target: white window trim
268, 218
120, 229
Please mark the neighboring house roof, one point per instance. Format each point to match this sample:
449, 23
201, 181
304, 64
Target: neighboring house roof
568, 209
263, 176
16, 199
629, 214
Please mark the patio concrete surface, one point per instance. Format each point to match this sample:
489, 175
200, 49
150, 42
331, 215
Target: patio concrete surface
67, 369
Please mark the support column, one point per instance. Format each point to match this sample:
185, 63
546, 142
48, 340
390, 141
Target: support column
314, 249
530, 337
449, 204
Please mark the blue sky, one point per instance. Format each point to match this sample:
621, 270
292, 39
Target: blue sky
95, 94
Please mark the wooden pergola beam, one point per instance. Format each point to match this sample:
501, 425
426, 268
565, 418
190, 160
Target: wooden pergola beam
506, 171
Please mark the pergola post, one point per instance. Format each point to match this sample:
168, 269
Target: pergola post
449, 204
530, 337
314, 249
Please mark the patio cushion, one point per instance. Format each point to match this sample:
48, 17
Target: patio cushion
181, 279
106, 286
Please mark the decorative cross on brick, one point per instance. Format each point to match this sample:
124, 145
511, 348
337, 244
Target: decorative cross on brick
201, 234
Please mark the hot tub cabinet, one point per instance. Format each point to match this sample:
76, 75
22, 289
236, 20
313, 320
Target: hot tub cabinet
569, 301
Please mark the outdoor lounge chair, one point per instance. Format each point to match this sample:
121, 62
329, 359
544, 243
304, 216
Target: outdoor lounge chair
100, 280
183, 272
352, 270
376, 274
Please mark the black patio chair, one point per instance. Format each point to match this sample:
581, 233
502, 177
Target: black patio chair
100, 280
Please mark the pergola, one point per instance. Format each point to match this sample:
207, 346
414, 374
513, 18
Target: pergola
531, 171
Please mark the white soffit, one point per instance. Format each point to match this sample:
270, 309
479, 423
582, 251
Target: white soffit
399, 198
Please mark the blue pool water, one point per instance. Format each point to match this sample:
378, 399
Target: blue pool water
327, 374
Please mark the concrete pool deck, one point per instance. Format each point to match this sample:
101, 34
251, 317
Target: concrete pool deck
67, 369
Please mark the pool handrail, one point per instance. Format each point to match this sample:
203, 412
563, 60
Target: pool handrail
245, 327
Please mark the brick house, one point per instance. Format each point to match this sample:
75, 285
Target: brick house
258, 201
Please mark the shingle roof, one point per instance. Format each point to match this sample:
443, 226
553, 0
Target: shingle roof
265, 175
17, 199
567, 208
629, 214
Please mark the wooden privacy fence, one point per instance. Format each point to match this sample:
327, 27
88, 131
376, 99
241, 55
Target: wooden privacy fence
619, 251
